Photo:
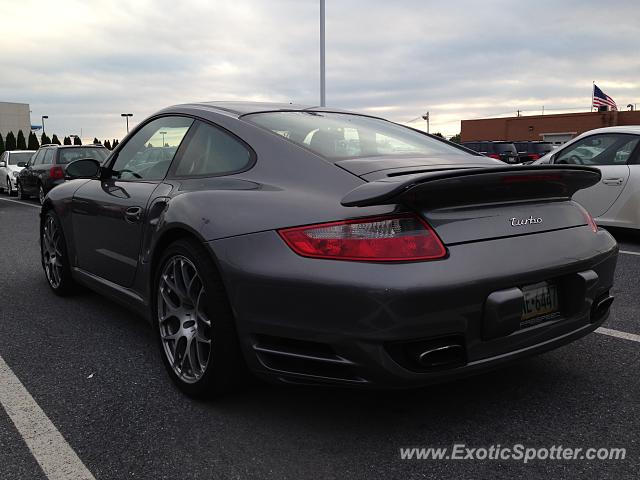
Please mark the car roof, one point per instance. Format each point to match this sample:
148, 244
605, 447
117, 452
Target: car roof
21, 151
239, 109
619, 129
92, 145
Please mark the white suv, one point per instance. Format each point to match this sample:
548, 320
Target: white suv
11, 162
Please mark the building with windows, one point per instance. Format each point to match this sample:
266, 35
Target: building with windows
557, 129
14, 117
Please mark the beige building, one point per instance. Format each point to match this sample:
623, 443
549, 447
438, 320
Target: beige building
14, 117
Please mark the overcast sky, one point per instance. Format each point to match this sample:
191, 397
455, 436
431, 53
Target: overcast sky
85, 62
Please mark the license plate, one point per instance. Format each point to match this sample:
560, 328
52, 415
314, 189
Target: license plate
540, 300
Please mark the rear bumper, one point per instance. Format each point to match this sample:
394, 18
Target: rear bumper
315, 321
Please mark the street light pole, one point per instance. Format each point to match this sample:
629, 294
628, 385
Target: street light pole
126, 116
163, 134
43, 131
323, 99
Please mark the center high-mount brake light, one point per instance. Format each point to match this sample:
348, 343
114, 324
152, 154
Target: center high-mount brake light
398, 238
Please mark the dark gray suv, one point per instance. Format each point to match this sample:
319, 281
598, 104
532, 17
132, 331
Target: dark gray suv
46, 168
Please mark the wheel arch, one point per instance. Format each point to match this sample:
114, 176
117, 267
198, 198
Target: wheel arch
166, 238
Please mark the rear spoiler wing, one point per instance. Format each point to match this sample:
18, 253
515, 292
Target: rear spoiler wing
472, 186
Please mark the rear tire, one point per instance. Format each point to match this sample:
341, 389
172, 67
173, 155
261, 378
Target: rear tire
9, 187
41, 194
193, 322
53, 253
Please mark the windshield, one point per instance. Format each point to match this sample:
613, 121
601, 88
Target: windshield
339, 135
68, 155
14, 158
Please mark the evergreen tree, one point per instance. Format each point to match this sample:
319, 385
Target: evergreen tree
66, 141
10, 141
44, 140
1, 144
33, 141
21, 142
77, 141
115, 143
55, 139
96, 142
438, 134
107, 144
455, 138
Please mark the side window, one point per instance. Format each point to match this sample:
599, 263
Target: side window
211, 151
148, 154
37, 158
606, 149
48, 156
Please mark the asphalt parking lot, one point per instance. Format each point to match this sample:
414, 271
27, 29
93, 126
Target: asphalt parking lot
94, 370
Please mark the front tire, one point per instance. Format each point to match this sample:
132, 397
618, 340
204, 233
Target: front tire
55, 260
9, 187
41, 194
193, 321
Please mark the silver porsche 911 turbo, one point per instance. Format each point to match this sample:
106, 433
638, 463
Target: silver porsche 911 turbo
317, 246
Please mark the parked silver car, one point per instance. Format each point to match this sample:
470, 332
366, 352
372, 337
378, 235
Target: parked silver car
11, 162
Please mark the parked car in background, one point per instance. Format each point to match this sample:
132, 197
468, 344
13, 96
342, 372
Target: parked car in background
318, 247
46, 168
11, 162
533, 150
615, 151
504, 151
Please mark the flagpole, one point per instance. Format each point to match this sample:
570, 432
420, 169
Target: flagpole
593, 87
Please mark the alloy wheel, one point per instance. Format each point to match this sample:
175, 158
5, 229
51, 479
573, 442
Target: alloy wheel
52, 252
41, 195
9, 187
185, 327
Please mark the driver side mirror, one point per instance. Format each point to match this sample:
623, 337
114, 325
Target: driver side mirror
83, 168
3, 164
22, 164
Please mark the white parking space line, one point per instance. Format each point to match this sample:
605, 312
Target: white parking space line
20, 203
628, 252
52, 452
616, 333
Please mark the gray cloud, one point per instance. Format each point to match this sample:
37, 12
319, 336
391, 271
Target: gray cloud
83, 63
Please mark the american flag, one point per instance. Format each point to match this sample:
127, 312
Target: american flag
600, 99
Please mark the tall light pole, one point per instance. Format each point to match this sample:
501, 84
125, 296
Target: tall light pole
323, 98
163, 134
127, 115
43, 118
425, 117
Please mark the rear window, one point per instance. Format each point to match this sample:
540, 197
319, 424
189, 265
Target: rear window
14, 158
543, 148
68, 155
338, 136
505, 147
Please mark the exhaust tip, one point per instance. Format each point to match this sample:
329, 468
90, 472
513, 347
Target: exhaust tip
601, 307
443, 356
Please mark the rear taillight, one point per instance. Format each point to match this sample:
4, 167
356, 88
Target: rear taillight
590, 221
56, 172
397, 238
494, 155
534, 156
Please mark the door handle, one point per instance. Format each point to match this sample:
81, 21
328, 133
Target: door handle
133, 214
612, 181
